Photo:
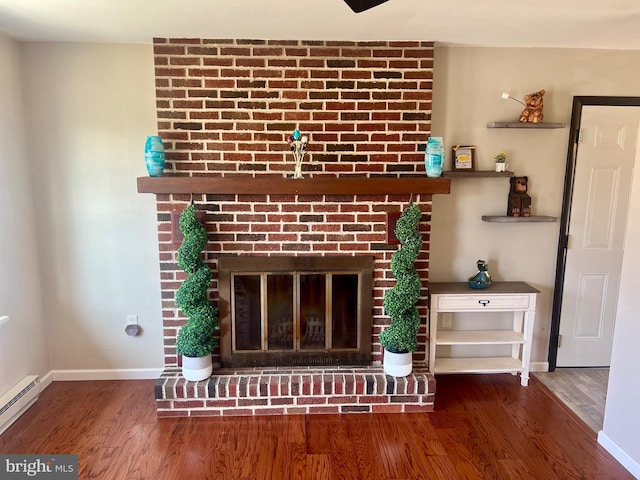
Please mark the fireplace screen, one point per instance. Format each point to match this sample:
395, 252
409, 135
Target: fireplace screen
316, 315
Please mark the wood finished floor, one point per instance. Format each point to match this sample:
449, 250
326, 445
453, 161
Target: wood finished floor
583, 390
484, 427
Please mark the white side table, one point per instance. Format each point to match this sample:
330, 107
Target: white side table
517, 297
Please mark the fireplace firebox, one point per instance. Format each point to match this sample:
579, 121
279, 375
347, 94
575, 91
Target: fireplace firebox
279, 311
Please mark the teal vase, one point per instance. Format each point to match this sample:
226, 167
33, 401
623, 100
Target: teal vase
433, 157
154, 155
482, 279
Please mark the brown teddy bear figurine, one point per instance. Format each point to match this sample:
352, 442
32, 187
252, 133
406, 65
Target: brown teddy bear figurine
519, 199
533, 110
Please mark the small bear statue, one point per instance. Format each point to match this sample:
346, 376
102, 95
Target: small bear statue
519, 199
532, 112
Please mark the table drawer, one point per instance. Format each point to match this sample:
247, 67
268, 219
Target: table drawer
457, 303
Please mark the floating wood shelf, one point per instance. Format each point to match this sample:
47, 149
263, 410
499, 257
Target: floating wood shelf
542, 125
506, 219
267, 185
477, 174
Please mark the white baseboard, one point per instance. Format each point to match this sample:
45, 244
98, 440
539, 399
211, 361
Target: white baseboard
539, 366
121, 374
46, 380
619, 454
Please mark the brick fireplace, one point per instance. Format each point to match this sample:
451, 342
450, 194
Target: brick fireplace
224, 109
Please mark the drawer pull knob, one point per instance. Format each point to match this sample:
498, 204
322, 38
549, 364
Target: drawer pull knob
484, 303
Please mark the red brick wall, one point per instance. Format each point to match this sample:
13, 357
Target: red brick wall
224, 109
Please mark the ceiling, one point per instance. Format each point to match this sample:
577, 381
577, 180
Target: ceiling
602, 24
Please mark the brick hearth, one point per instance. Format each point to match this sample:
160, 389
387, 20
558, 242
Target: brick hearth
299, 390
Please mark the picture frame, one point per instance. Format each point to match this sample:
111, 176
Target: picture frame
463, 158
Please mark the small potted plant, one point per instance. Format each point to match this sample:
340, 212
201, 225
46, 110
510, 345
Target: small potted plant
501, 161
400, 338
195, 339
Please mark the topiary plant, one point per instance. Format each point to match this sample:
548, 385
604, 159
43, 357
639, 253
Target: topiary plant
401, 336
195, 338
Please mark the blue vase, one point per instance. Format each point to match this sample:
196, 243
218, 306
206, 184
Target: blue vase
154, 155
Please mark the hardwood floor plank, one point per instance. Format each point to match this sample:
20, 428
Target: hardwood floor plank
145, 461
342, 451
318, 434
406, 446
486, 443
390, 447
295, 462
318, 467
292, 446
100, 465
496, 427
483, 427
364, 450
515, 469
458, 453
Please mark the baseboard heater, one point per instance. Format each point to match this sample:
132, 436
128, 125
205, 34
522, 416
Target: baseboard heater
17, 400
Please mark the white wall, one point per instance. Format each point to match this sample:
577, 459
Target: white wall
622, 418
467, 87
90, 107
23, 350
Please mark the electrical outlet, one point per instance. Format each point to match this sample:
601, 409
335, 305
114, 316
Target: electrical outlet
131, 328
446, 321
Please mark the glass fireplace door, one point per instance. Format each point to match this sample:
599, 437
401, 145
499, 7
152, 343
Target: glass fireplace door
295, 311
280, 313
312, 307
290, 310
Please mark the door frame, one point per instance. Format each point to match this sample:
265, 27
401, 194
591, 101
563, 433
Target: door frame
567, 198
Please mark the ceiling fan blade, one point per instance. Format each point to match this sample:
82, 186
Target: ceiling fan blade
362, 5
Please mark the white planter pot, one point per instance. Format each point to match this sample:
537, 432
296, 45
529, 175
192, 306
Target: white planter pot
397, 364
501, 167
195, 369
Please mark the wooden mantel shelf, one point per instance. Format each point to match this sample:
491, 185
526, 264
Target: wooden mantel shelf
299, 186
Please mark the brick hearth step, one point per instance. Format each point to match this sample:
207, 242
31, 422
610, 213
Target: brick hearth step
294, 390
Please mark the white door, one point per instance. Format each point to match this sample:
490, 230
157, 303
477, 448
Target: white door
597, 225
